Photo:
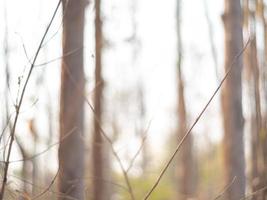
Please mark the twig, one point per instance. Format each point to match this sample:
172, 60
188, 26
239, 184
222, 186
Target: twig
225, 189
195, 122
59, 27
58, 58
43, 151
254, 193
140, 148
18, 106
24, 48
113, 151
42, 187
49, 186
5, 128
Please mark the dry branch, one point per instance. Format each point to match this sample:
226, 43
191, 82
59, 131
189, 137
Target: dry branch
195, 122
18, 105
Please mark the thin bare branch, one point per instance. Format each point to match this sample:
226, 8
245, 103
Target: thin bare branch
140, 148
225, 189
18, 106
254, 193
24, 49
49, 186
195, 122
59, 58
42, 187
43, 151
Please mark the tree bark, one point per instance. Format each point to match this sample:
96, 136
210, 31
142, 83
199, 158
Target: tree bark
185, 165
71, 149
263, 142
232, 102
98, 143
252, 68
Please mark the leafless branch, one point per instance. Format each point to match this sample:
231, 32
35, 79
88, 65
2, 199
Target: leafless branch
140, 148
195, 122
254, 193
125, 174
58, 58
225, 189
45, 150
24, 49
43, 188
18, 106
49, 186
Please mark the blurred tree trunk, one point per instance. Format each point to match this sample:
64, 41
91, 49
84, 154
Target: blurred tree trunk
185, 164
212, 41
98, 143
252, 68
252, 75
25, 173
142, 132
35, 171
263, 138
232, 102
71, 149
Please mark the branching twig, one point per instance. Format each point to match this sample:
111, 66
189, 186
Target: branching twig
125, 174
18, 106
195, 122
139, 149
24, 49
43, 151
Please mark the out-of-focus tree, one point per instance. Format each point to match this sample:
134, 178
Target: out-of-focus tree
253, 78
263, 132
232, 102
98, 144
185, 164
71, 149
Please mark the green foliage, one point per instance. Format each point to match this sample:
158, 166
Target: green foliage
141, 185
211, 177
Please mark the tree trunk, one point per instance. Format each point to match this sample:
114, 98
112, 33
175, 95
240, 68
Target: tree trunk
25, 173
261, 5
232, 102
71, 149
251, 64
185, 165
98, 144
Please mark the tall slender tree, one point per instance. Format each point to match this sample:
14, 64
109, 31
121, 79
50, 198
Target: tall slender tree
185, 165
71, 149
252, 67
261, 8
98, 143
232, 101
